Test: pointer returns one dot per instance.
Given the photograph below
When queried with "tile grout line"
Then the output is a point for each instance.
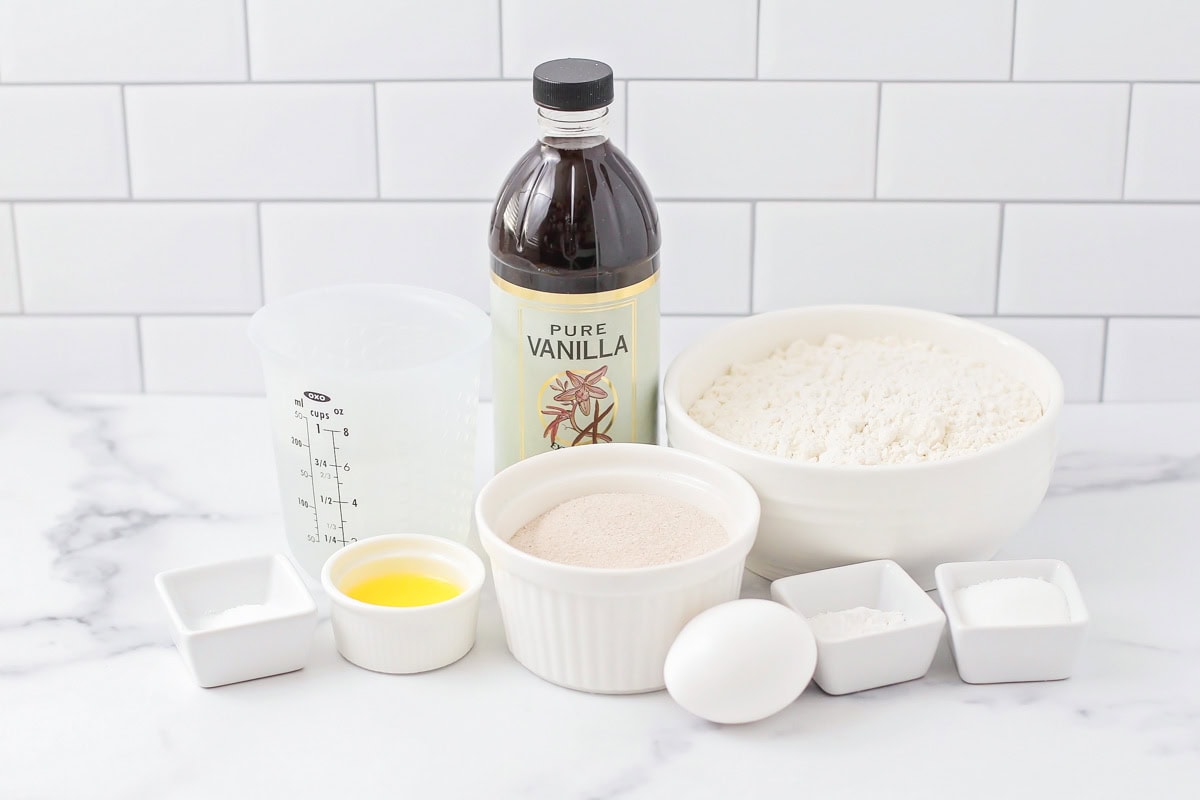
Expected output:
(999, 261)
(137, 327)
(753, 238)
(375, 134)
(878, 129)
(639, 78)
(966, 201)
(1048, 315)
(1012, 45)
(16, 248)
(1104, 358)
(1128, 127)
(150, 315)
(626, 117)
(262, 267)
(125, 136)
(500, 34)
(151, 200)
(757, 37)
(246, 36)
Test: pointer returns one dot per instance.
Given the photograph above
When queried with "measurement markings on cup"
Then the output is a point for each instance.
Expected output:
(312, 479)
(315, 464)
(331, 532)
(337, 476)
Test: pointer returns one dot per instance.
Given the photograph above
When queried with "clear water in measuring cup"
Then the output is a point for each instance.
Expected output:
(372, 393)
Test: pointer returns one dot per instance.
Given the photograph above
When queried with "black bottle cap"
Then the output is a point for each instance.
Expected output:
(573, 84)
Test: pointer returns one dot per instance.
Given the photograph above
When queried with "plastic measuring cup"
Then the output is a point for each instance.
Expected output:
(372, 391)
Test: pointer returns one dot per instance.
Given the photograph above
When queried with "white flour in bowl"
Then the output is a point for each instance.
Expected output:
(866, 402)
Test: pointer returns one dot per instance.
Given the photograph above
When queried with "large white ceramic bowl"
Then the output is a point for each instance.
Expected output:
(919, 515)
(609, 630)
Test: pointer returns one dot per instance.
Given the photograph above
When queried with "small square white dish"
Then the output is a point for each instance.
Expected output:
(1013, 653)
(239, 620)
(899, 653)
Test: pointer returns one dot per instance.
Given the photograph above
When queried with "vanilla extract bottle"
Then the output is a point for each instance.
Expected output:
(575, 313)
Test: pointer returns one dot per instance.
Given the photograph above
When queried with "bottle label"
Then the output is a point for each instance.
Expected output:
(573, 369)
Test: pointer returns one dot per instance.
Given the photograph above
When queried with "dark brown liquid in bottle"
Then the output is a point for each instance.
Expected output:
(574, 221)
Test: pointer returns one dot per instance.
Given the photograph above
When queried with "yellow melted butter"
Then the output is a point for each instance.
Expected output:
(403, 589)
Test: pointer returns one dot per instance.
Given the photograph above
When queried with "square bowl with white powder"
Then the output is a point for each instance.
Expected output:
(1013, 621)
(239, 620)
(873, 624)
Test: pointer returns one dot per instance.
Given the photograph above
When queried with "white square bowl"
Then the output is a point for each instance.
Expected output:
(275, 635)
(900, 653)
(1013, 653)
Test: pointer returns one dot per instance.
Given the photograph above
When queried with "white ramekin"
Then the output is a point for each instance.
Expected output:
(817, 516)
(409, 639)
(608, 630)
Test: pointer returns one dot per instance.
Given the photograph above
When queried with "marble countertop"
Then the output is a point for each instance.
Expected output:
(99, 494)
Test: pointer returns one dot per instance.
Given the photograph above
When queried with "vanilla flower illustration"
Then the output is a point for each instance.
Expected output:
(583, 389)
(560, 415)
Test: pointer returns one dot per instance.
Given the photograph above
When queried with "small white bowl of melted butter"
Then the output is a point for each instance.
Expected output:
(403, 603)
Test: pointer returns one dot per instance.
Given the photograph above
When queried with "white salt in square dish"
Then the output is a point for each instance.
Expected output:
(1013, 653)
(239, 620)
(899, 653)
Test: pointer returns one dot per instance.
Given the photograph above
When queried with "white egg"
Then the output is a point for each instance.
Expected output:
(741, 661)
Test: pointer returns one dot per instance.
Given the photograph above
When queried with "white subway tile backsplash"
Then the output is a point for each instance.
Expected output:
(61, 141)
(1000, 141)
(429, 148)
(138, 257)
(801, 151)
(48, 41)
(372, 39)
(439, 245)
(200, 354)
(1152, 359)
(1107, 40)
(69, 354)
(663, 39)
(279, 141)
(705, 258)
(885, 40)
(931, 255)
(1075, 346)
(677, 333)
(10, 284)
(736, 139)
(1100, 259)
(1164, 129)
